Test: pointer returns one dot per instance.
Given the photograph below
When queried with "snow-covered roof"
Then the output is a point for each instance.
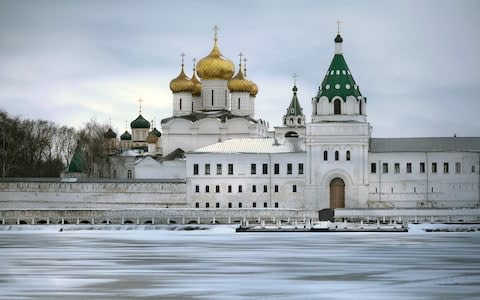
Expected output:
(253, 145)
(429, 144)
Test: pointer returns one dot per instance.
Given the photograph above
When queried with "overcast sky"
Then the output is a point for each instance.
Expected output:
(417, 62)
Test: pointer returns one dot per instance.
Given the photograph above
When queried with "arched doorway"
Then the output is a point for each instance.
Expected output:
(337, 193)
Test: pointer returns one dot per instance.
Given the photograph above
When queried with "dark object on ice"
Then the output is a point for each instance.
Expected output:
(61, 229)
(326, 215)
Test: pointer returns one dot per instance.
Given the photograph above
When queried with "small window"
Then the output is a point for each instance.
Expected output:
(445, 168)
(276, 204)
(265, 204)
(240, 205)
(217, 189)
(254, 188)
(229, 188)
(337, 107)
(294, 188)
(207, 205)
(300, 168)
(337, 155)
(197, 189)
(289, 169)
(373, 168)
(180, 103)
(207, 189)
(385, 168)
(276, 169)
(265, 189)
(265, 169)
(129, 174)
(239, 188)
(217, 205)
(212, 97)
(195, 169)
(230, 169)
(434, 167)
(219, 169)
(238, 103)
(253, 169)
(348, 155)
(409, 167)
(229, 204)
(254, 204)
(325, 155)
(397, 168)
(207, 169)
(422, 167)
(473, 169)
(276, 188)
(458, 167)
(197, 205)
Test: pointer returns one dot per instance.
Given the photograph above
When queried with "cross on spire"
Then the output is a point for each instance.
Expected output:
(240, 55)
(295, 76)
(245, 66)
(338, 26)
(215, 30)
(140, 105)
(183, 58)
(194, 63)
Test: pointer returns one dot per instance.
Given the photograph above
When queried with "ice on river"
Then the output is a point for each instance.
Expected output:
(218, 263)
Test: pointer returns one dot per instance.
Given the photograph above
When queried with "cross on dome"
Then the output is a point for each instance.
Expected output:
(215, 30)
(295, 76)
(338, 26)
(183, 58)
(140, 105)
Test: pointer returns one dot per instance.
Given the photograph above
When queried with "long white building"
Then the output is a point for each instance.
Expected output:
(228, 159)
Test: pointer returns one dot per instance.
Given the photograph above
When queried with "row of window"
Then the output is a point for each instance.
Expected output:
(408, 168)
(240, 189)
(336, 155)
(455, 187)
(253, 169)
(230, 205)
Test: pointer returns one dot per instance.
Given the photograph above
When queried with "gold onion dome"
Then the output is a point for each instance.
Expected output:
(254, 90)
(181, 83)
(197, 85)
(239, 84)
(215, 66)
(152, 138)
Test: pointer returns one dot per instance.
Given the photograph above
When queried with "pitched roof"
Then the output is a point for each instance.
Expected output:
(252, 145)
(428, 144)
(294, 109)
(78, 163)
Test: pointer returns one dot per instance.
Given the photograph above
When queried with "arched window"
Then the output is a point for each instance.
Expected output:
(299, 120)
(336, 155)
(192, 106)
(180, 103)
(212, 97)
(239, 103)
(291, 120)
(337, 107)
(325, 155)
(348, 155)
(360, 107)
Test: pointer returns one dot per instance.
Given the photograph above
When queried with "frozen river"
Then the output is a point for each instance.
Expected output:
(220, 264)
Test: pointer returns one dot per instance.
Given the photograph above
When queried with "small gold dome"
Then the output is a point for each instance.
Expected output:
(152, 138)
(197, 85)
(215, 66)
(239, 84)
(181, 83)
(254, 90)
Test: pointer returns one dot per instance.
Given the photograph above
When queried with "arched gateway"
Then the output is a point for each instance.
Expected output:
(337, 193)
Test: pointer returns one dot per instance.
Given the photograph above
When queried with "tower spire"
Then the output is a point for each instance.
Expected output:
(215, 37)
(245, 66)
(338, 39)
(140, 106)
(183, 59)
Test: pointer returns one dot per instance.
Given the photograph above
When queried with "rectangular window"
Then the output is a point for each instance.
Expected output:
(217, 205)
(397, 168)
(385, 167)
(254, 188)
(253, 169)
(276, 204)
(422, 167)
(197, 205)
(265, 189)
(265, 169)
(473, 169)
(217, 189)
(129, 174)
(229, 188)
(254, 204)
(276, 188)
(434, 167)
(373, 168)
(239, 188)
(197, 189)
(229, 204)
(458, 167)
(195, 169)
(294, 188)
(445, 168)
(409, 167)
(240, 205)
(219, 169)
(289, 169)
(207, 169)
(230, 169)
(207, 189)
(276, 169)
(300, 169)
(265, 204)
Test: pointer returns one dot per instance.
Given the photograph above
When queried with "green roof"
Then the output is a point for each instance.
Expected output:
(338, 81)
(140, 122)
(78, 162)
(110, 134)
(294, 109)
(156, 132)
(126, 136)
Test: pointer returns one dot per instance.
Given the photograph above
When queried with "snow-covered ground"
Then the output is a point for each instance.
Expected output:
(39, 262)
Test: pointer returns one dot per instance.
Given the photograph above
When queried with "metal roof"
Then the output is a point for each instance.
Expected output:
(253, 145)
(427, 144)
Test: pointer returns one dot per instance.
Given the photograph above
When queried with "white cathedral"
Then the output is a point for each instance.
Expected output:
(228, 158)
